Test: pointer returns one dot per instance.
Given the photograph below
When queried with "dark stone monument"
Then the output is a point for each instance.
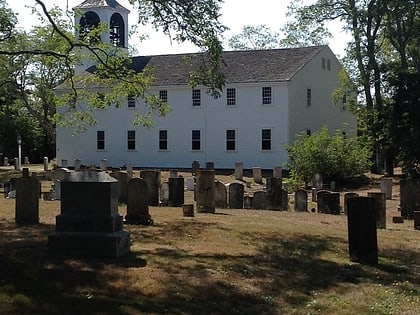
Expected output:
(164, 194)
(259, 200)
(220, 195)
(122, 178)
(257, 175)
(152, 179)
(361, 221)
(409, 197)
(380, 208)
(236, 196)
(195, 166)
(239, 171)
(188, 210)
(348, 195)
(27, 199)
(301, 200)
(176, 192)
(386, 187)
(417, 220)
(248, 203)
(137, 203)
(205, 191)
(328, 202)
(89, 223)
(274, 194)
(209, 165)
(317, 182)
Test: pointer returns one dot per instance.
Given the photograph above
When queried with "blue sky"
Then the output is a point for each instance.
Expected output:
(234, 14)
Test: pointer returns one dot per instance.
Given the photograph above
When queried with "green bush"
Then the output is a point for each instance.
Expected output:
(334, 157)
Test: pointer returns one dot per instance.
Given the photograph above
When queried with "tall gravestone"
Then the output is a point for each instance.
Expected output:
(277, 172)
(89, 223)
(45, 163)
(259, 201)
(220, 195)
(380, 208)
(152, 179)
(348, 195)
(77, 164)
(317, 182)
(137, 203)
(58, 176)
(417, 220)
(209, 165)
(257, 175)
(409, 197)
(205, 191)
(239, 171)
(301, 200)
(386, 187)
(164, 194)
(248, 202)
(176, 191)
(122, 179)
(362, 235)
(328, 202)
(27, 199)
(195, 166)
(236, 196)
(274, 194)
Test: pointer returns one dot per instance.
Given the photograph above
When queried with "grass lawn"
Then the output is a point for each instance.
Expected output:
(232, 262)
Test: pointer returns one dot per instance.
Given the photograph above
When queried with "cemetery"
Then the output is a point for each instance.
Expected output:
(124, 241)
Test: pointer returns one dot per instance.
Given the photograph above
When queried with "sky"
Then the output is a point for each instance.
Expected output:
(235, 14)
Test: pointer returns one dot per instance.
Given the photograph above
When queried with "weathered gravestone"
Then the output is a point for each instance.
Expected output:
(362, 237)
(89, 223)
(417, 220)
(58, 176)
(77, 164)
(248, 202)
(239, 171)
(380, 208)
(220, 195)
(205, 191)
(173, 173)
(27, 199)
(386, 187)
(277, 172)
(274, 195)
(409, 197)
(137, 203)
(259, 201)
(45, 162)
(317, 182)
(209, 165)
(190, 184)
(328, 202)
(152, 179)
(176, 191)
(236, 196)
(195, 166)
(122, 179)
(301, 200)
(164, 194)
(103, 165)
(257, 175)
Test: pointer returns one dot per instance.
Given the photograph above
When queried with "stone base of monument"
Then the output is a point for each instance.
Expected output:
(89, 223)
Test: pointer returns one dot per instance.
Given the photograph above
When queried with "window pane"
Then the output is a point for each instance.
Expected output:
(131, 101)
(266, 95)
(131, 139)
(163, 95)
(266, 139)
(231, 96)
(196, 145)
(196, 97)
(100, 140)
(163, 139)
(230, 140)
(308, 97)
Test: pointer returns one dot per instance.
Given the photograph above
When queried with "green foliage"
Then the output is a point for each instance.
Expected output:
(331, 156)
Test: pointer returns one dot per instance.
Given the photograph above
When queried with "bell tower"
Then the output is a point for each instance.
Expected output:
(90, 13)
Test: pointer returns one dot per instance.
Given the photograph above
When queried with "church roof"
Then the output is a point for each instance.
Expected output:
(247, 66)
(89, 4)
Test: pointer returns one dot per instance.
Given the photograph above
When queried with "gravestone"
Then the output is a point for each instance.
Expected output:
(328, 202)
(313, 194)
(220, 195)
(248, 202)
(152, 178)
(129, 171)
(173, 173)
(239, 171)
(409, 197)
(348, 195)
(27, 199)
(188, 210)
(332, 186)
(301, 200)
(236, 196)
(362, 235)
(64, 163)
(257, 175)
(176, 191)
(164, 194)
(58, 176)
(380, 208)
(122, 179)
(9, 186)
(205, 191)
(259, 200)
(274, 194)
(277, 172)
(195, 166)
(386, 187)
(137, 203)
(103, 165)
(209, 165)
(26, 160)
(89, 223)
(45, 162)
(6, 161)
(190, 183)
(77, 164)
(317, 182)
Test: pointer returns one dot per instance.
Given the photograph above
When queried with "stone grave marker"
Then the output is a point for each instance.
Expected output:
(220, 195)
(195, 166)
(317, 182)
(209, 165)
(176, 191)
(417, 220)
(152, 178)
(205, 191)
(362, 235)
(122, 179)
(274, 194)
(301, 200)
(380, 208)
(137, 203)
(348, 195)
(328, 202)
(190, 184)
(27, 199)
(248, 202)
(259, 200)
(386, 187)
(277, 172)
(173, 173)
(45, 162)
(103, 164)
(257, 175)
(236, 196)
(77, 164)
(89, 223)
(239, 171)
(164, 194)
(58, 176)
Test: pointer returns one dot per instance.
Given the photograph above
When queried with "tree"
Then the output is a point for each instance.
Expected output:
(334, 157)
(254, 38)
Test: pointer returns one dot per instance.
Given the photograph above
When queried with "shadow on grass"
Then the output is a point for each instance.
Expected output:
(280, 275)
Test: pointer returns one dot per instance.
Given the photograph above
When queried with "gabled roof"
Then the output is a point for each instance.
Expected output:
(89, 4)
(248, 66)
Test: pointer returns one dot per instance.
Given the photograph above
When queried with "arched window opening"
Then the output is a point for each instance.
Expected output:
(89, 21)
(116, 32)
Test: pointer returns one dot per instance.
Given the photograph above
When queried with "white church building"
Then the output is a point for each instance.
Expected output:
(269, 97)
